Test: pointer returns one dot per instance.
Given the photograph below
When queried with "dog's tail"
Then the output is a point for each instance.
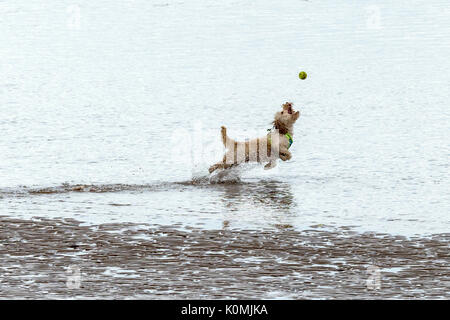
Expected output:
(226, 140)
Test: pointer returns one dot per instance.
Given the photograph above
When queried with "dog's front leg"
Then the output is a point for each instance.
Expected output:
(285, 155)
(272, 164)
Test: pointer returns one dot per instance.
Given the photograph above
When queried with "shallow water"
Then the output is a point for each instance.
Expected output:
(111, 114)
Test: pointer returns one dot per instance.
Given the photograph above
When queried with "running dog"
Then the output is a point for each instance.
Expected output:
(266, 149)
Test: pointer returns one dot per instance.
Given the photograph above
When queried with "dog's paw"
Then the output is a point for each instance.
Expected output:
(285, 156)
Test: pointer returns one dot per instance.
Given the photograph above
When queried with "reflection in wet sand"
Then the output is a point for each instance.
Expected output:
(52, 258)
(273, 194)
(270, 202)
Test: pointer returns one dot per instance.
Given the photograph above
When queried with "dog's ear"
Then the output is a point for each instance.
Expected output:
(280, 126)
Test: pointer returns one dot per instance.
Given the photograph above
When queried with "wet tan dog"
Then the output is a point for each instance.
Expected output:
(265, 149)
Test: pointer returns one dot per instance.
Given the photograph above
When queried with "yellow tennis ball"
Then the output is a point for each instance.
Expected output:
(302, 75)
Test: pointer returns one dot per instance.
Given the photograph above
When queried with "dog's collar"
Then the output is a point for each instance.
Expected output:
(287, 135)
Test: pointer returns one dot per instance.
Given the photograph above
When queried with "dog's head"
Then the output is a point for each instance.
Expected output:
(285, 118)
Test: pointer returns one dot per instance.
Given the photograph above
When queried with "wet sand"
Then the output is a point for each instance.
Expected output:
(130, 261)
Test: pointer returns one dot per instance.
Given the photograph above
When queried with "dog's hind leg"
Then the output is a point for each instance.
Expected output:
(215, 167)
(220, 165)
